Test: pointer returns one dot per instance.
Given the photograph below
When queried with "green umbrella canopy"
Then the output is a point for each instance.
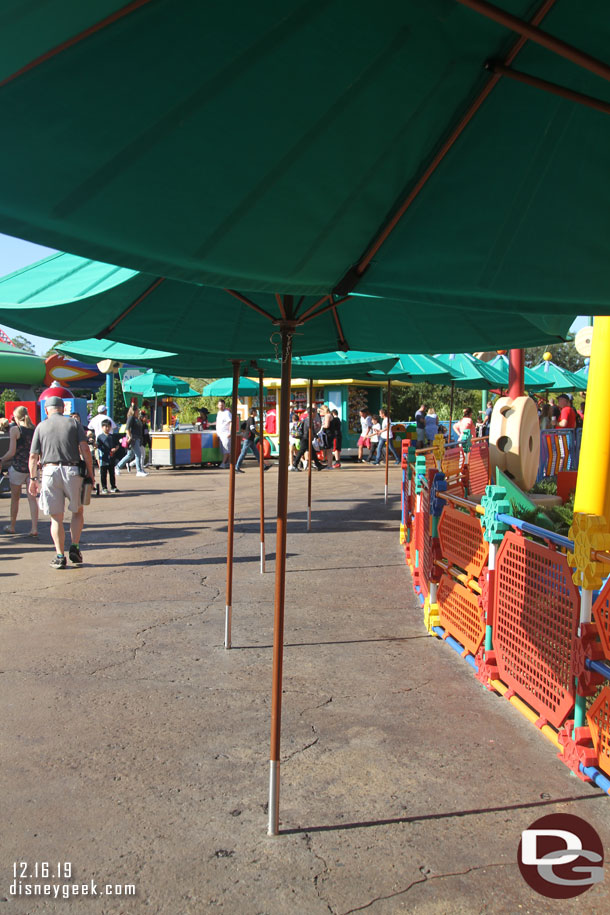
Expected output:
(155, 384)
(223, 387)
(107, 103)
(583, 377)
(205, 365)
(531, 381)
(556, 378)
(418, 367)
(333, 365)
(69, 296)
(470, 373)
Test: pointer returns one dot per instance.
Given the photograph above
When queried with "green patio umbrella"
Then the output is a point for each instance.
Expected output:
(414, 165)
(583, 377)
(190, 364)
(531, 380)
(155, 384)
(556, 378)
(443, 200)
(223, 387)
(66, 295)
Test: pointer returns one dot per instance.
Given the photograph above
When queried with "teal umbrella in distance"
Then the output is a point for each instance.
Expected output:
(556, 378)
(194, 365)
(155, 384)
(531, 381)
(223, 387)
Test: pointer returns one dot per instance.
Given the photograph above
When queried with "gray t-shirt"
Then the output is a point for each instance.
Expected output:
(56, 440)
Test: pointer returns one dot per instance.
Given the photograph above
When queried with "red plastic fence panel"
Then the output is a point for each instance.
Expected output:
(478, 468)
(462, 543)
(535, 622)
(460, 614)
(599, 722)
(451, 465)
(601, 615)
(425, 554)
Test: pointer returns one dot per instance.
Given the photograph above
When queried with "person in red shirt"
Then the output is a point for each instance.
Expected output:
(567, 414)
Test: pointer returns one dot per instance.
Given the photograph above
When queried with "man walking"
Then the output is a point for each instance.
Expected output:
(249, 429)
(223, 431)
(60, 444)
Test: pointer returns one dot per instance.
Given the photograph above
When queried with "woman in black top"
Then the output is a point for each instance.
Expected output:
(135, 431)
(18, 454)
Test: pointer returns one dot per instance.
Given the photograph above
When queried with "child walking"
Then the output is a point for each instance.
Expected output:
(107, 449)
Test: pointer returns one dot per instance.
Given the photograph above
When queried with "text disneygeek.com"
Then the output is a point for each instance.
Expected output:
(24, 871)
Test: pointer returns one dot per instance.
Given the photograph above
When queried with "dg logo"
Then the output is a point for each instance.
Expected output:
(561, 856)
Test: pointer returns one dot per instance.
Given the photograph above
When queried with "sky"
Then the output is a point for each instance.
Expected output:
(16, 253)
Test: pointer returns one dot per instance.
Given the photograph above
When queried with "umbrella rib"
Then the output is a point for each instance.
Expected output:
(280, 305)
(53, 52)
(308, 315)
(354, 273)
(554, 88)
(530, 30)
(242, 298)
(130, 308)
(312, 308)
(342, 341)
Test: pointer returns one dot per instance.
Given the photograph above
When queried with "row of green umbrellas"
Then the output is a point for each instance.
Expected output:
(462, 369)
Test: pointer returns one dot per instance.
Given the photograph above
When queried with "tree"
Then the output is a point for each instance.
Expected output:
(562, 354)
(120, 410)
(7, 394)
(24, 344)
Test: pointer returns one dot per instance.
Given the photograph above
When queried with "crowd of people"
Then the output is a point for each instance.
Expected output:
(55, 459)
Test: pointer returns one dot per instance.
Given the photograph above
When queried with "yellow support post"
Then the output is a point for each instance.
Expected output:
(593, 483)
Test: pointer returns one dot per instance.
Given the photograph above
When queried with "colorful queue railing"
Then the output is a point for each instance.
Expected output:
(508, 604)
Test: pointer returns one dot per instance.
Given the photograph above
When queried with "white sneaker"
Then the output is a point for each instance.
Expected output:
(117, 472)
(141, 473)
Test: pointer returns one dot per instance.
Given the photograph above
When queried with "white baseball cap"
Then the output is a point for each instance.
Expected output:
(101, 409)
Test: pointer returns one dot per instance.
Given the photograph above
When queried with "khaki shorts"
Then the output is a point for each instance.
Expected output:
(16, 478)
(59, 484)
(225, 443)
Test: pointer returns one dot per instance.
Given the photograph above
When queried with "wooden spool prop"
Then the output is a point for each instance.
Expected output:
(514, 440)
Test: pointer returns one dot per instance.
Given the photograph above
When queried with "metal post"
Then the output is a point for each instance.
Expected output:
(451, 412)
(580, 702)
(262, 466)
(287, 329)
(491, 565)
(110, 395)
(387, 445)
(231, 518)
(309, 460)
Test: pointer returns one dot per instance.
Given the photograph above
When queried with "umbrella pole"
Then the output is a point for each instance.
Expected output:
(261, 466)
(451, 412)
(155, 417)
(309, 460)
(231, 518)
(387, 445)
(287, 329)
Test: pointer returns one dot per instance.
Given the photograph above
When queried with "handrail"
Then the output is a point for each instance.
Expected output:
(462, 577)
(541, 532)
(463, 503)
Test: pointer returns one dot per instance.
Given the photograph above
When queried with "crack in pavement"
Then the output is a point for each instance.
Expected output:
(317, 876)
(426, 878)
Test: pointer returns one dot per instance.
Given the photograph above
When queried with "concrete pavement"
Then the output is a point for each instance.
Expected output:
(136, 748)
